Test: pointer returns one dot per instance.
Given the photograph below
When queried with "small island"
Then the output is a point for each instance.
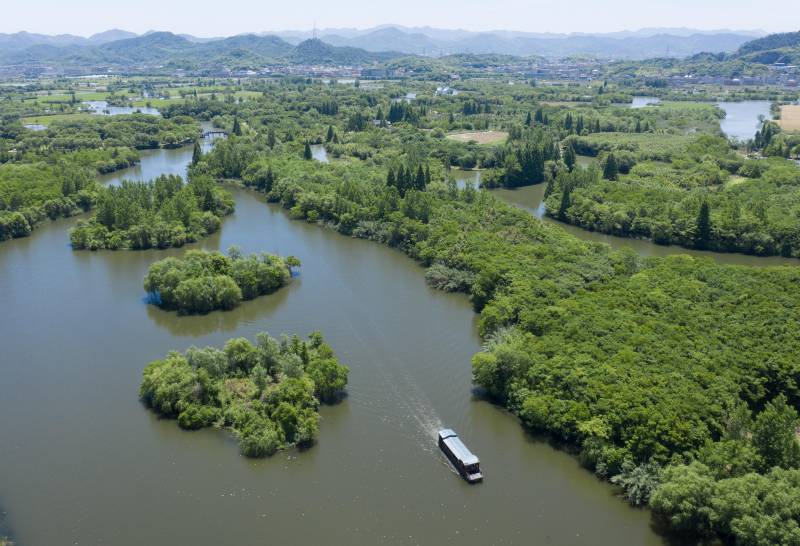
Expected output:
(267, 393)
(203, 281)
(161, 213)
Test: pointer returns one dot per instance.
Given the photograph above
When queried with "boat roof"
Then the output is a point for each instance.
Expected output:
(457, 447)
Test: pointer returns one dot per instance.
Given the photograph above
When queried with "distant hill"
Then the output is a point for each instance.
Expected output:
(774, 48)
(170, 50)
(22, 40)
(641, 44)
(772, 41)
(315, 51)
(110, 36)
(635, 44)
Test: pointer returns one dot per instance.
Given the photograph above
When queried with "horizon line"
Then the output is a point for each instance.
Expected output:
(415, 27)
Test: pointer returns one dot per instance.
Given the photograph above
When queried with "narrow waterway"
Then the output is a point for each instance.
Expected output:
(83, 462)
(531, 199)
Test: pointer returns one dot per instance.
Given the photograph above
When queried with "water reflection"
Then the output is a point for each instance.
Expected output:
(319, 153)
(247, 312)
(641, 102)
(462, 177)
(102, 108)
(743, 119)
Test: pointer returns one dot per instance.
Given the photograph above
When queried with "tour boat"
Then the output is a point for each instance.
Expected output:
(462, 458)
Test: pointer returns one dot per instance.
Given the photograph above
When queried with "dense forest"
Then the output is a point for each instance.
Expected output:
(202, 281)
(267, 394)
(161, 213)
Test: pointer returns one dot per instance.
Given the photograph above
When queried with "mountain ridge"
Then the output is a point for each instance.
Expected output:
(629, 44)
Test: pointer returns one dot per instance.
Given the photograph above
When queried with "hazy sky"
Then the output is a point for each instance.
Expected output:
(228, 17)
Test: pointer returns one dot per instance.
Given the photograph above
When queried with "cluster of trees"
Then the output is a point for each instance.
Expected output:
(405, 179)
(202, 281)
(161, 213)
(32, 192)
(744, 487)
(267, 393)
(523, 161)
(772, 142)
(472, 107)
(706, 197)
(402, 111)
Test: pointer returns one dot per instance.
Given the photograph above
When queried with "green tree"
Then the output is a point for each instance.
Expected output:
(610, 169)
(774, 435)
(329, 377)
(683, 501)
(307, 155)
(565, 204)
(197, 153)
(703, 226)
(569, 157)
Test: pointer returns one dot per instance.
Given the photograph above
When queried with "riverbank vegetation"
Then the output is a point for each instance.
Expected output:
(202, 281)
(161, 213)
(267, 394)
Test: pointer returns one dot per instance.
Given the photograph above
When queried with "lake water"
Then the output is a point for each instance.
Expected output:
(162, 161)
(641, 102)
(742, 119)
(319, 153)
(408, 97)
(101, 107)
(462, 176)
(83, 462)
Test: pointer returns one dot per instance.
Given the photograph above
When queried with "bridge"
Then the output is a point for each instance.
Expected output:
(218, 132)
